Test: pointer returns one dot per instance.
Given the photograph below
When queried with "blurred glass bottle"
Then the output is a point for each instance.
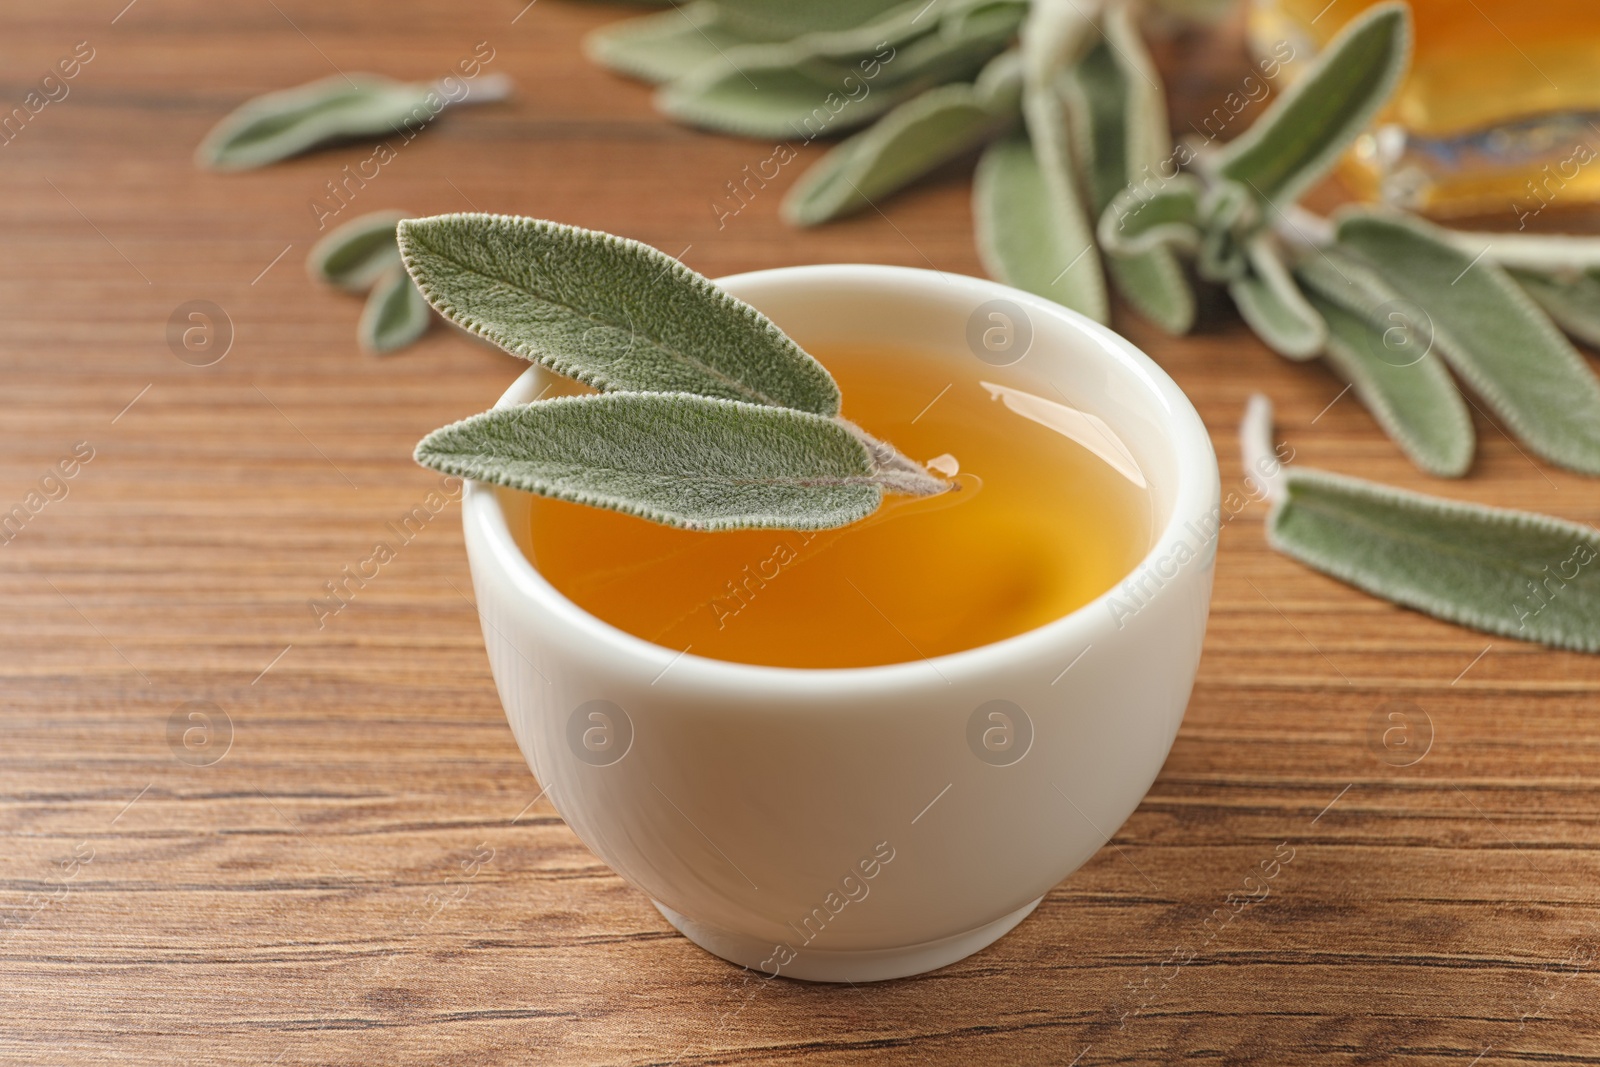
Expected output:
(1501, 107)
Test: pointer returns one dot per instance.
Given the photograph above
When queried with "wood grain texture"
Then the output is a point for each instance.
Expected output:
(369, 875)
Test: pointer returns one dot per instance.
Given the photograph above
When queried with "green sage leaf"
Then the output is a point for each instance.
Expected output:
(354, 256)
(1154, 284)
(1058, 258)
(608, 311)
(905, 144)
(1027, 236)
(1202, 11)
(765, 91)
(1272, 305)
(1126, 127)
(1570, 298)
(1139, 219)
(1511, 573)
(1229, 219)
(783, 19)
(1374, 344)
(1490, 332)
(395, 315)
(672, 458)
(285, 123)
(665, 45)
(999, 83)
(1550, 253)
(831, 83)
(1305, 131)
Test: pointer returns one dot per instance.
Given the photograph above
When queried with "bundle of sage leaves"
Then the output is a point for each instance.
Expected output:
(707, 416)
(1079, 189)
(1080, 186)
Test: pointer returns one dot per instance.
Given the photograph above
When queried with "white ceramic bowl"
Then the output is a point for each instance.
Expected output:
(869, 823)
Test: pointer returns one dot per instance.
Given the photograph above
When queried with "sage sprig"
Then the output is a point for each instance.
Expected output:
(1090, 194)
(363, 256)
(1510, 573)
(709, 417)
(286, 123)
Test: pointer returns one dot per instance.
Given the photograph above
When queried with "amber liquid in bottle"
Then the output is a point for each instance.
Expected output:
(1497, 113)
(1041, 526)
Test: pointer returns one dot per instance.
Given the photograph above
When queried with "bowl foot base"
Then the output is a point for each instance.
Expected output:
(865, 965)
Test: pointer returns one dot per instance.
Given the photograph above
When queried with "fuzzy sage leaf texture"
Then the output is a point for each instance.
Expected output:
(1380, 345)
(904, 145)
(1511, 573)
(665, 45)
(395, 315)
(1490, 332)
(1308, 128)
(673, 458)
(1571, 299)
(354, 256)
(1026, 237)
(613, 313)
(286, 123)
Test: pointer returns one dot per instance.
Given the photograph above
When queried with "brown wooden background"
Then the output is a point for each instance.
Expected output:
(367, 875)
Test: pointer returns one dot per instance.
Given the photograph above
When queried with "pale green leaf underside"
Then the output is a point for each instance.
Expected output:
(1271, 303)
(1491, 333)
(1100, 125)
(1149, 138)
(681, 460)
(1047, 111)
(1544, 252)
(614, 313)
(1509, 573)
(1125, 123)
(1387, 359)
(1418, 405)
(780, 19)
(1139, 219)
(1299, 138)
(905, 144)
(283, 124)
(665, 45)
(1572, 299)
(1027, 238)
(1154, 284)
(354, 256)
(770, 94)
(395, 314)
(820, 85)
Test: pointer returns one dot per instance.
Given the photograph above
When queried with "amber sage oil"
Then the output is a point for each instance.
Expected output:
(1051, 513)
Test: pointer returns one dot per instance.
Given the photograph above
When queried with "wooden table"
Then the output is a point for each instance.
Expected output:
(355, 866)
